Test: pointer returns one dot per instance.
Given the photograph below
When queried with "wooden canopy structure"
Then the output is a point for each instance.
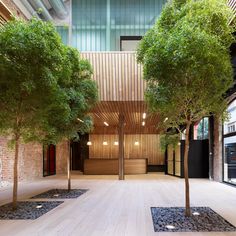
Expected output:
(121, 92)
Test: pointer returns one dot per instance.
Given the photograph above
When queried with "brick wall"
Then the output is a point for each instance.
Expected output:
(30, 161)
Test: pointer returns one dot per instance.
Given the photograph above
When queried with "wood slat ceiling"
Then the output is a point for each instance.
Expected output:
(121, 91)
(5, 13)
(133, 113)
(232, 4)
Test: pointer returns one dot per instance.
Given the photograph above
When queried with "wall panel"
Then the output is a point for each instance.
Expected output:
(118, 75)
(149, 147)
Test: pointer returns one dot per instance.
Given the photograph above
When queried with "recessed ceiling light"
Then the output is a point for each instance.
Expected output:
(143, 123)
(80, 120)
(89, 143)
(116, 143)
(105, 143)
(144, 115)
(170, 226)
(105, 123)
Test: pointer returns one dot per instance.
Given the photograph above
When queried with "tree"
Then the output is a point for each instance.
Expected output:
(82, 95)
(187, 65)
(32, 59)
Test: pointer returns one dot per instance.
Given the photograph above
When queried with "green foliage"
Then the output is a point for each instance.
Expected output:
(186, 61)
(81, 92)
(32, 63)
(44, 85)
(169, 139)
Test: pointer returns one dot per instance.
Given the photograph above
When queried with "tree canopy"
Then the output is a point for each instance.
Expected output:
(32, 67)
(32, 60)
(186, 60)
(81, 96)
(45, 87)
(187, 66)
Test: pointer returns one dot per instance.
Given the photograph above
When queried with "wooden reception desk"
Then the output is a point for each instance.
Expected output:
(110, 166)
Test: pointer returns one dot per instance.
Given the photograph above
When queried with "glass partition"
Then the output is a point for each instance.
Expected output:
(97, 25)
(64, 33)
(229, 163)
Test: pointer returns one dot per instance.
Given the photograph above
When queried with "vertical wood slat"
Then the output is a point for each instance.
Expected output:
(118, 75)
(232, 4)
(149, 147)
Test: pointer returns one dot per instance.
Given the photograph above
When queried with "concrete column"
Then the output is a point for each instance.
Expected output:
(218, 157)
(121, 147)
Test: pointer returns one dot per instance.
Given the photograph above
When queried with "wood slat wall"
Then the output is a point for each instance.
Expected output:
(118, 75)
(110, 166)
(5, 13)
(149, 147)
(232, 4)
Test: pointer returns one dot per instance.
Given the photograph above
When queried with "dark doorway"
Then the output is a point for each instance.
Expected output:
(80, 151)
(49, 160)
(76, 157)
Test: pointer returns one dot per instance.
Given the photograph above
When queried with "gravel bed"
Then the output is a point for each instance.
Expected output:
(61, 193)
(27, 210)
(202, 219)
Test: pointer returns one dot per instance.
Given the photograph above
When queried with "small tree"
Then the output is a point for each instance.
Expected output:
(31, 63)
(82, 95)
(187, 65)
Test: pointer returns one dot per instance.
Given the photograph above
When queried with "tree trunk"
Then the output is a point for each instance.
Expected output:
(15, 183)
(186, 151)
(68, 168)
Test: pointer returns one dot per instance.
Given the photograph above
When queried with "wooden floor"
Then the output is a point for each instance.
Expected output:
(117, 208)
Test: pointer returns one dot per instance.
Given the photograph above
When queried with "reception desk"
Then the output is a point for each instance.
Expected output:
(111, 166)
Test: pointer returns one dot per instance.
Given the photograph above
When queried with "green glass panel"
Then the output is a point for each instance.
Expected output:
(64, 33)
(98, 24)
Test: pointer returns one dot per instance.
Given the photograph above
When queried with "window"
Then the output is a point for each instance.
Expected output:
(201, 130)
(129, 43)
(229, 159)
(231, 127)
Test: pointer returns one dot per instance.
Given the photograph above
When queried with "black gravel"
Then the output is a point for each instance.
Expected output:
(61, 193)
(27, 210)
(207, 221)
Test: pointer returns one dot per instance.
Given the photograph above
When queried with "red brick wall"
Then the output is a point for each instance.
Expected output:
(30, 160)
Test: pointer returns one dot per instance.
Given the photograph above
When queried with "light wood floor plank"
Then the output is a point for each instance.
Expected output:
(117, 208)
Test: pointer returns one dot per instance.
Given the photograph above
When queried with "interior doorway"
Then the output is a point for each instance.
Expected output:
(80, 152)
(49, 160)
